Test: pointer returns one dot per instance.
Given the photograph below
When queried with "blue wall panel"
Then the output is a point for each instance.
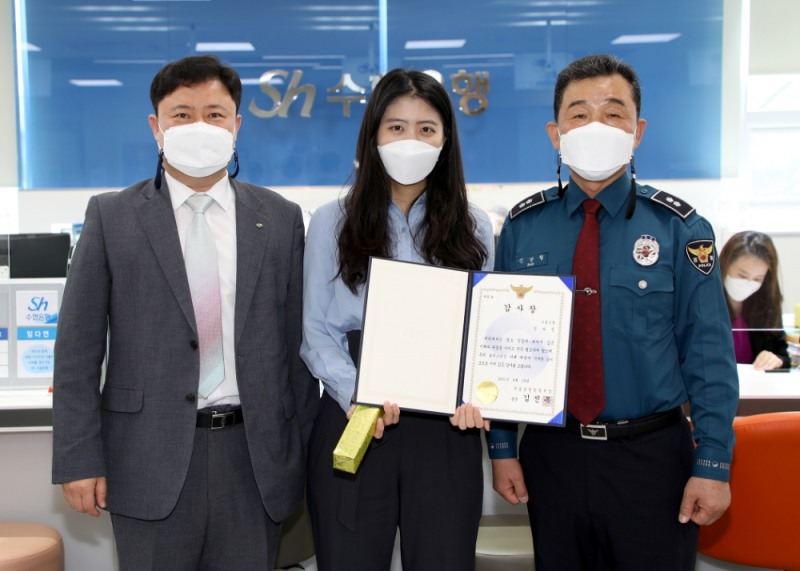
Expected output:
(99, 137)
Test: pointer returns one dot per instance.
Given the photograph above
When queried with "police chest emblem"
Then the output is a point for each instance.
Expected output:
(701, 255)
(645, 250)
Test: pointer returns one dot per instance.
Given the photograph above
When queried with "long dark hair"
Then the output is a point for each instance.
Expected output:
(447, 234)
(763, 308)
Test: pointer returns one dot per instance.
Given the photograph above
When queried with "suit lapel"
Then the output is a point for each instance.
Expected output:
(253, 223)
(158, 220)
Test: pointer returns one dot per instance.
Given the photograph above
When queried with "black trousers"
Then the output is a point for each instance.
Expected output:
(609, 505)
(424, 477)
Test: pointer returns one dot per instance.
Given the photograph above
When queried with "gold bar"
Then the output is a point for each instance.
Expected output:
(355, 438)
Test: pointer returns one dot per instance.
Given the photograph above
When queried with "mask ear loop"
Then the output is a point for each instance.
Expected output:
(235, 164)
(632, 197)
(159, 168)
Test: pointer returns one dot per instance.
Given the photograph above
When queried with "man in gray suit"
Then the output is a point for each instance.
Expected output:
(196, 442)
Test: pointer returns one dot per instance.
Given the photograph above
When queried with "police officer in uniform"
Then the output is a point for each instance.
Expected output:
(626, 489)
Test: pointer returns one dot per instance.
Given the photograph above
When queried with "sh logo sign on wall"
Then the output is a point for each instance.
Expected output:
(37, 316)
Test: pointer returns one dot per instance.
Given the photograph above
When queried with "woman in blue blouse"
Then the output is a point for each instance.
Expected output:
(423, 474)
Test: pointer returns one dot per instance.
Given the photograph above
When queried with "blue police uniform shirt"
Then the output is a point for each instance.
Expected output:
(666, 332)
(330, 309)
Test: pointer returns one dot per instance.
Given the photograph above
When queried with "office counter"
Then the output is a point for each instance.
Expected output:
(761, 391)
(26, 410)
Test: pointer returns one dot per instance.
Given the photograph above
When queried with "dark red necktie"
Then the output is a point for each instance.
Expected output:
(586, 391)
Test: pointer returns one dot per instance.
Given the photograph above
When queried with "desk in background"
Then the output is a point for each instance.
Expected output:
(761, 392)
(26, 410)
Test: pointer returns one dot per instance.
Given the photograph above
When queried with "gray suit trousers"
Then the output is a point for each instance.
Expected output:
(218, 523)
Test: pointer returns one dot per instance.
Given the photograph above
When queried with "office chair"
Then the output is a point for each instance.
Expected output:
(762, 526)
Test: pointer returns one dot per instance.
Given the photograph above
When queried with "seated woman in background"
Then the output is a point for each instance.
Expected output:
(749, 264)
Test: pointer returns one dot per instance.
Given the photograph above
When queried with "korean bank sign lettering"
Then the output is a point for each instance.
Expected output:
(471, 89)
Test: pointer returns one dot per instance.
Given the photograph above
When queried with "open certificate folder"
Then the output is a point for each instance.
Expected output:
(435, 337)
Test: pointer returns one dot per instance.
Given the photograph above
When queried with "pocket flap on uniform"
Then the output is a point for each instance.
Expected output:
(122, 400)
(642, 280)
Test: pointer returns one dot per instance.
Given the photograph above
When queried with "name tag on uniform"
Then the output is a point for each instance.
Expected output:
(532, 261)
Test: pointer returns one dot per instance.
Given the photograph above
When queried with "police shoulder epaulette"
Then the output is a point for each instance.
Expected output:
(678, 206)
(527, 203)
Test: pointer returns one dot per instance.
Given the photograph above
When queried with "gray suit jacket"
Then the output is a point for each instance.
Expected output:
(127, 293)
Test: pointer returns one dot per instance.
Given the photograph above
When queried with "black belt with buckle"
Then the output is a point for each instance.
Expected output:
(624, 428)
(219, 419)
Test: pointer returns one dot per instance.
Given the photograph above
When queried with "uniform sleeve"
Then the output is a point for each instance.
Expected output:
(324, 348)
(501, 440)
(504, 251)
(705, 348)
(79, 352)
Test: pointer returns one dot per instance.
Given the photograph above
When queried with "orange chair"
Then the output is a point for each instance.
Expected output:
(762, 526)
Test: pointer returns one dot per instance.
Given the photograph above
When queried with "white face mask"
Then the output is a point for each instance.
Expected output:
(596, 151)
(409, 161)
(198, 149)
(739, 289)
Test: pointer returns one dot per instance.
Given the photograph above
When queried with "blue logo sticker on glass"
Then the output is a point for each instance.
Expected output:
(38, 360)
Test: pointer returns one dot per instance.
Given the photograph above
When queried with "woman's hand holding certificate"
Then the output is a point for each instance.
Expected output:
(468, 416)
(390, 415)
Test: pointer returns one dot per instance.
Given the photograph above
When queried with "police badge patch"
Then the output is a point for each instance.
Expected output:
(645, 250)
(701, 255)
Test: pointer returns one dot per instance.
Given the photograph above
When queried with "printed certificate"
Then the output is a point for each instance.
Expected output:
(435, 337)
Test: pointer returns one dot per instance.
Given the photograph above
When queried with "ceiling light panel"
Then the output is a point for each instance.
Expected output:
(434, 44)
(644, 39)
(224, 47)
(96, 82)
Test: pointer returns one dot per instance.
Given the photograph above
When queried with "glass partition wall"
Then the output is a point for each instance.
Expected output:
(84, 71)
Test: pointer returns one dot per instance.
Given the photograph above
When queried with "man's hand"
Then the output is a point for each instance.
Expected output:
(704, 501)
(508, 481)
(85, 496)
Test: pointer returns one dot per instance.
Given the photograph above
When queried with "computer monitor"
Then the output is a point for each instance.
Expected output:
(35, 255)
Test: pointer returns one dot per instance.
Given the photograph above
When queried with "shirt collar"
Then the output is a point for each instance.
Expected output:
(420, 202)
(614, 197)
(179, 192)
